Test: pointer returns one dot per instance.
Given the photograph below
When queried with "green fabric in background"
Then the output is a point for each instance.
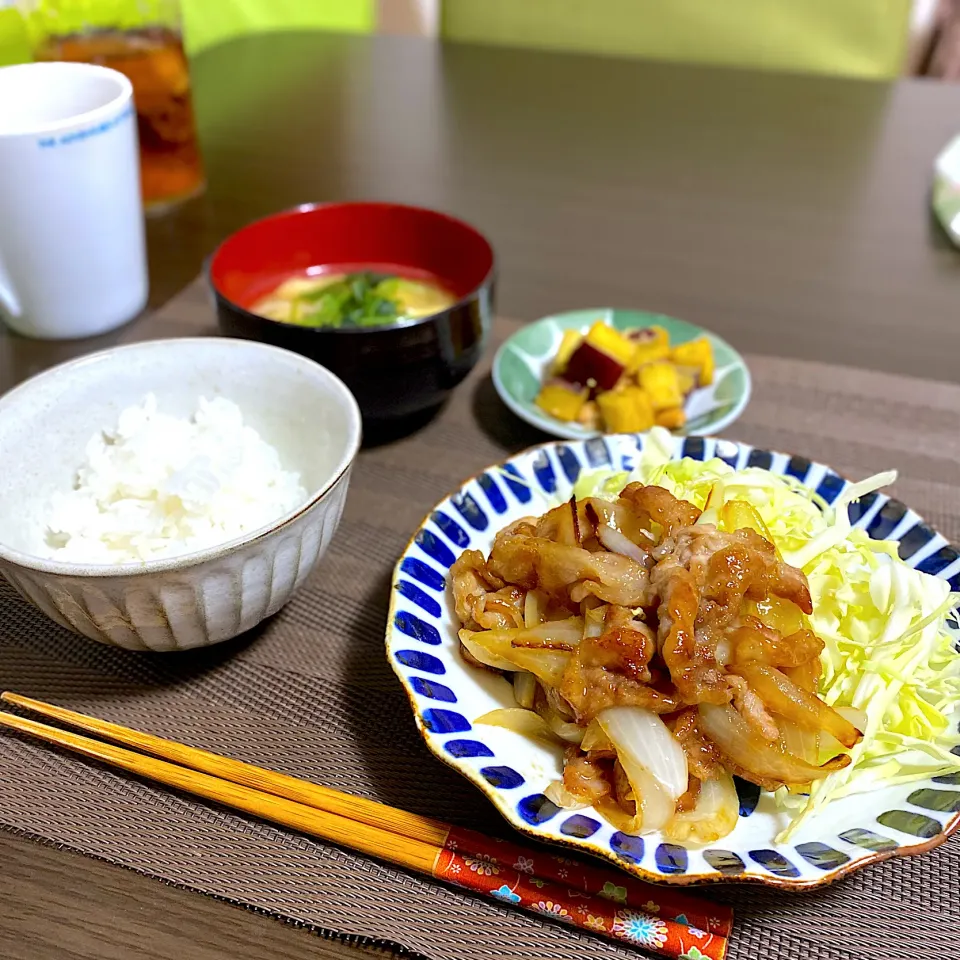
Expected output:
(206, 22)
(865, 38)
(14, 47)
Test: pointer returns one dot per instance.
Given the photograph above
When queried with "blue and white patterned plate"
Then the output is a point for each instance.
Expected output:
(447, 694)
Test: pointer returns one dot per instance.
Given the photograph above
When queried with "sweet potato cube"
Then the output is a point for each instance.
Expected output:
(570, 341)
(696, 353)
(611, 342)
(688, 378)
(662, 384)
(590, 416)
(649, 345)
(626, 411)
(673, 418)
(563, 401)
(592, 367)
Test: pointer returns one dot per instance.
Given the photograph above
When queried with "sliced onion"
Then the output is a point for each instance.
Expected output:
(742, 515)
(806, 709)
(714, 816)
(616, 542)
(567, 631)
(601, 511)
(805, 744)
(557, 793)
(529, 641)
(484, 656)
(525, 722)
(652, 759)
(830, 745)
(594, 738)
(807, 675)
(532, 609)
(854, 715)
(802, 743)
(732, 734)
(714, 498)
(593, 621)
(545, 664)
(524, 688)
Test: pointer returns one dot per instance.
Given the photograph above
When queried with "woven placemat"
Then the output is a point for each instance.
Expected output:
(310, 693)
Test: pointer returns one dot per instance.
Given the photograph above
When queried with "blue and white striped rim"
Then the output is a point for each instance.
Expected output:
(446, 694)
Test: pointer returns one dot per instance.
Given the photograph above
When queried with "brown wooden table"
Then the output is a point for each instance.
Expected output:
(788, 213)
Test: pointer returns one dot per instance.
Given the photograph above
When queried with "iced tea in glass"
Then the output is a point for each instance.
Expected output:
(141, 39)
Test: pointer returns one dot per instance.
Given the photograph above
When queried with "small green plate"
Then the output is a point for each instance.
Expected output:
(522, 361)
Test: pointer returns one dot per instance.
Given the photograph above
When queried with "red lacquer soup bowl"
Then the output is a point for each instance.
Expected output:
(396, 370)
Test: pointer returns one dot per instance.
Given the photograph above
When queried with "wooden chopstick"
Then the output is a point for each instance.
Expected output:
(246, 774)
(365, 825)
(373, 841)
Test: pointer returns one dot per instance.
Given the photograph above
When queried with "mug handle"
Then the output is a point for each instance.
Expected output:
(8, 300)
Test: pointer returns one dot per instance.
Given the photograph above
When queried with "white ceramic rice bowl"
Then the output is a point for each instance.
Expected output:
(200, 598)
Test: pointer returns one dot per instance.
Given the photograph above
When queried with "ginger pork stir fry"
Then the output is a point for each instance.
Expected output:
(665, 655)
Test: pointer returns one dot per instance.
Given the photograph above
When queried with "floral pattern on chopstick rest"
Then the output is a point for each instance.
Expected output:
(603, 913)
(579, 876)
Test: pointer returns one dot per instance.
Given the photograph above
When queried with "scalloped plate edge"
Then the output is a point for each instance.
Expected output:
(506, 808)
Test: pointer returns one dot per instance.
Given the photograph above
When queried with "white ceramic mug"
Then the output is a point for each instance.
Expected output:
(72, 250)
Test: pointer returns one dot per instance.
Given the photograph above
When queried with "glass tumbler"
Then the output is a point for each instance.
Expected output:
(143, 40)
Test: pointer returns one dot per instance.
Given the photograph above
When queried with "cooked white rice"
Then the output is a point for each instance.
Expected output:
(158, 486)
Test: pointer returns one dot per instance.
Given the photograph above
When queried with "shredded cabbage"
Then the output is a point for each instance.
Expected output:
(888, 650)
(794, 514)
